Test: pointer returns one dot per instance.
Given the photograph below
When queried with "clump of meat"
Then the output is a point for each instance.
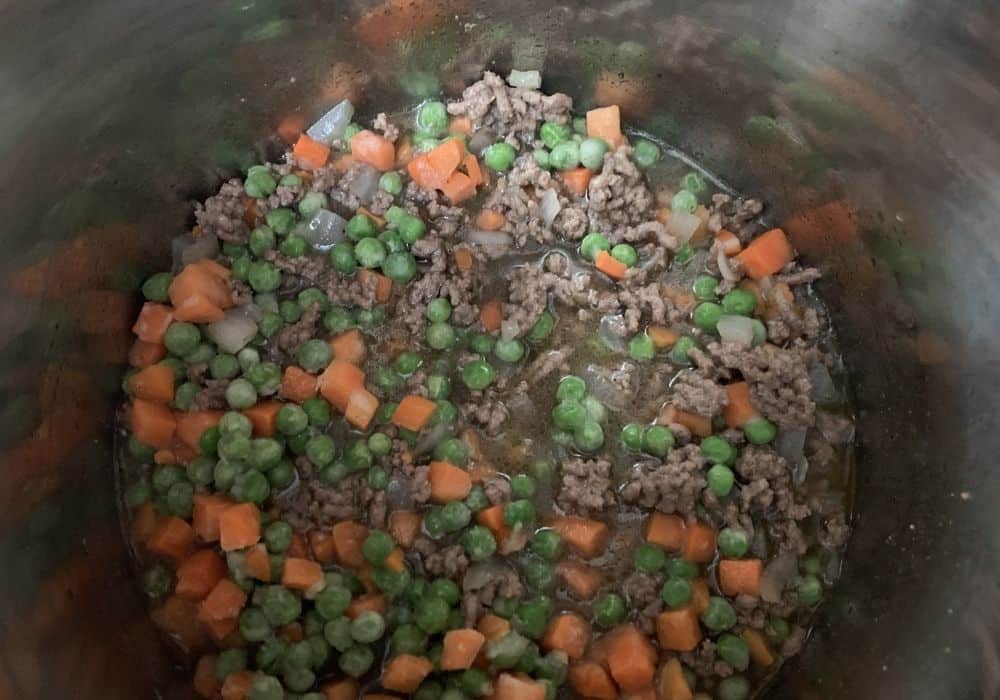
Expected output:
(586, 487)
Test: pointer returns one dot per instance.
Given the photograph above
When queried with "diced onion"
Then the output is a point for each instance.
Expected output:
(232, 332)
(481, 139)
(777, 575)
(531, 79)
(332, 125)
(324, 229)
(682, 225)
(790, 444)
(489, 238)
(823, 388)
(549, 207)
(612, 331)
(735, 329)
(365, 183)
(187, 249)
(724, 268)
(481, 575)
(508, 329)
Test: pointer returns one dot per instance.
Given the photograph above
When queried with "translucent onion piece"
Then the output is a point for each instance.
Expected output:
(525, 79)
(365, 183)
(332, 125)
(724, 268)
(549, 207)
(233, 331)
(736, 329)
(683, 226)
(186, 249)
(489, 238)
(324, 230)
(777, 575)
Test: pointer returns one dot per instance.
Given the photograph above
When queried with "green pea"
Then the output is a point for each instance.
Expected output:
(649, 558)
(181, 338)
(391, 182)
(280, 220)
(478, 375)
(505, 607)
(569, 415)
(370, 252)
(321, 450)
(482, 343)
(265, 378)
(565, 155)
(678, 567)
(432, 117)
(592, 244)
(380, 444)
(438, 386)
(229, 662)
(657, 440)
(431, 615)
(719, 616)
(477, 500)
(156, 287)
(338, 319)
(499, 157)
(270, 652)
(278, 536)
(438, 310)
(358, 457)
(270, 324)
(265, 687)
(519, 513)
(139, 450)
(776, 630)
(553, 134)
(532, 617)
(317, 411)
(759, 431)
(223, 366)
(522, 486)
(733, 688)
(676, 592)
(440, 336)
(411, 228)
(625, 254)
(314, 355)
(509, 350)
(291, 419)
(474, 682)
(311, 203)
(367, 627)
(251, 487)
(262, 239)
(455, 516)
(609, 610)
(399, 267)
(138, 492)
(294, 246)
(645, 153)
(684, 202)
(592, 152)
(641, 347)
(589, 437)
(264, 277)
(240, 394)
(184, 395)
(721, 480)
(541, 328)
(342, 258)
(694, 182)
(260, 184)
(409, 639)
(810, 591)
(541, 157)
(704, 288)
(631, 436)
(679, 353)
(179, 499)
(356, 661)
(254, 625)
(332, 602)
(739, 301)
(571, 388)
(717, 450)
(733, 543)
(479, 543)
(706, 316)
(445, 414)
(166, 476)
(547, 544)
(539, 574)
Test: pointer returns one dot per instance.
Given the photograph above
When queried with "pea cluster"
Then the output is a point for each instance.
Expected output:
(578, 416)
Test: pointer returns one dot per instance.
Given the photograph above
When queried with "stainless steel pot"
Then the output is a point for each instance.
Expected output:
(871, 128)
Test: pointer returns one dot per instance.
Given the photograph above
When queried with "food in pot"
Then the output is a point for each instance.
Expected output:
(490, 398)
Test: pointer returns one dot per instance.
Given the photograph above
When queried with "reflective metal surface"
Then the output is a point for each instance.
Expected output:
(870, 127)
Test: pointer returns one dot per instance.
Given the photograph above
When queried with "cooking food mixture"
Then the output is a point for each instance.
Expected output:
(486, 399)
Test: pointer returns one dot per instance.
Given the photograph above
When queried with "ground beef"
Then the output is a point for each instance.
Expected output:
(517, 112)
(497, 490)
(834, 531)
(618, 196)
(642, 594)
(586, 487)
(704, 663)
(306, 328)
(571, 223)
(516, 197)
(242, 294)
(212, 397)
(647, 300)
(308, 269)
(503, 583)
(487, 410)
(769, 495)
(421, 486)
(693, 391)
(734, 215)
(545, 364)
(438, 280)
(222, 215)
(446, 562)
(671, 487)
(315, 504)
(351, 291)
(196, 372)
(794, 274)
(385, 127)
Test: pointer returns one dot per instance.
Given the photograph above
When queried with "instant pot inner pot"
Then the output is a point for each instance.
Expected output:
(868, 129)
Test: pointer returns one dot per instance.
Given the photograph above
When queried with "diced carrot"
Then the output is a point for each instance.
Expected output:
(395, 561)
(490, 220)
(460, 125)
(577, 180)
(404, 526)
(367, 602)
(349, 346)
(223, 631)
(492, 626)
(291, 127)
(647, 693)
(338, 381)
(463, 259)
(251, 212)
(404, 151)
(143, 354)
(154, 383)
(172, 537)
(153, 322)
(667, 531)
(344, 689)
(613, 268)
(198, 289)
(205, 516)
(298, 547)
(191, 425)
(224, 602)
(383, 285)
(374, 149)
(728, 242)
(581, 578)
(153, 423)
(422, 172)
(264, 417)
(301, 574)
(491, 314)
(492, 519)
(587, 537)
(178, 617)
(606, 123)
(219, 270)
(672, 685)
(198, 309)
(237, 685)
(698, 425)
(258, 563)
(700, 595)
(413, 412)
(298, 385)
(144, 522)
(199, 573)
(631, 659)
(760, 652)
(164, 457)
(205, 682)
(404, 673)
(767, 254)
(461, 647)
(699, 543)
(310, 154)
(473, 170)
(448, 482)
(361, 408)
(738, 409)
(678, 630)
(322, 546)
(348, 536)
(740, 576)
(342, 163)
(239, 526)
(520, 687)
(445, 158)
(458, 188)
(567, 632)
(590, 680)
